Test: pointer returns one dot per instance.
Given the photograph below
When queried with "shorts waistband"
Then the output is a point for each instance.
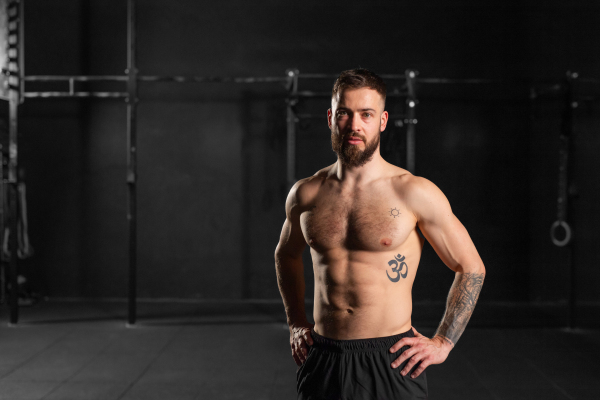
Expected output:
(357, 345)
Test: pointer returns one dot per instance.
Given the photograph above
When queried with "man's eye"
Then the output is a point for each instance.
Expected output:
(341, 113)
(367, 114)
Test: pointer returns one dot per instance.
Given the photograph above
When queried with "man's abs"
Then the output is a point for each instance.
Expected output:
(363, 294)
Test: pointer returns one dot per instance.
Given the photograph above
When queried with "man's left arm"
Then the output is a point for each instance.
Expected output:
(452, 243)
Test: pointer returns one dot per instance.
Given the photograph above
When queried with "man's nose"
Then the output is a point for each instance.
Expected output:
(355, 123)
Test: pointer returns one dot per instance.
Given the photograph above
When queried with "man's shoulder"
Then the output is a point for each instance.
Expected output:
(420, 194)
(410, 184)
(305, 190)
(404, 181)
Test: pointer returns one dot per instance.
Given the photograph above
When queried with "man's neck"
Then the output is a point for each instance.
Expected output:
(359, 175)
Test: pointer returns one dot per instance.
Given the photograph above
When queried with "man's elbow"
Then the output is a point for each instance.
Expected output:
(281, 253)
(475, 268)
(470, 268)
(277, 252)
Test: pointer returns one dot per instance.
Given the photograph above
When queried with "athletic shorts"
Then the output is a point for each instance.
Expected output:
(356, 370)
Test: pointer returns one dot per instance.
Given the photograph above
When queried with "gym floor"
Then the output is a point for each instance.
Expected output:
(234, 350)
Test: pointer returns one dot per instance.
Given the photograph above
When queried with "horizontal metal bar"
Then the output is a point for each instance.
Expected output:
(156, 78)
(469, 81)
(267, 79)
(335, 76)
(78, 78)
(318, 76)
(393, 76)
(75, 94)
(212, 79)
(308, 93)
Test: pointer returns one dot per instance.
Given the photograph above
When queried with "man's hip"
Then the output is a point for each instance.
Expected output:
(356, 369)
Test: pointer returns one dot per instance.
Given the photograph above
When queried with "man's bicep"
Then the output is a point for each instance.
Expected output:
(291, 241)
(442, 229)
(452, 243)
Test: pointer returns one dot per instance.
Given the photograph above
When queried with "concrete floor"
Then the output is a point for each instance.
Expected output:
(79, 351)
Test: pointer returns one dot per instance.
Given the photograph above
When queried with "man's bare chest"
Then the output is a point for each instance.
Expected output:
(368, 222)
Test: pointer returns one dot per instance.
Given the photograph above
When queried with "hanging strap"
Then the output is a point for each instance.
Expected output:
(563, 183)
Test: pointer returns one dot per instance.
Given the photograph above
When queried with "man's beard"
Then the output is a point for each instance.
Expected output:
(350, 155)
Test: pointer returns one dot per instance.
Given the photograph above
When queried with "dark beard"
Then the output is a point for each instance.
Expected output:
(351, 155)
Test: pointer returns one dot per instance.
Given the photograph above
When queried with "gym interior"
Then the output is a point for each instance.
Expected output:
(148, 148)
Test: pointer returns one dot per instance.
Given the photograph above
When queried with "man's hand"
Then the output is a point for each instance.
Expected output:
(299, 341)
(427, 351)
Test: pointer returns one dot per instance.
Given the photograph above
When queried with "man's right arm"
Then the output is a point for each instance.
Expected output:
(290, 276)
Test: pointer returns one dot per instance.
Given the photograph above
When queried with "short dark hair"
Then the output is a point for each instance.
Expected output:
(357, 79)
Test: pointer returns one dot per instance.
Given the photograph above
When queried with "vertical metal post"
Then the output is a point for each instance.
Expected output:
(12, 203)
(21, 50)
(2, 228)
(131, 159)
(566, 140)
(14, 87)
(292, 100)
(411, 104)
(566, 133)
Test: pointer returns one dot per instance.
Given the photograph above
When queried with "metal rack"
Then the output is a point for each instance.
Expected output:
(17, 94)
(12, 89)
(567, 91)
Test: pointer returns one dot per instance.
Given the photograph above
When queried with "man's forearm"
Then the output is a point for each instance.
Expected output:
(290, 279)
(460, 305)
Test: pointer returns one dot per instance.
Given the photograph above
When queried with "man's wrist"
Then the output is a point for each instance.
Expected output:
(446, 343)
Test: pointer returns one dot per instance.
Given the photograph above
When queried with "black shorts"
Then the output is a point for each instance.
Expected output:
(356, 370)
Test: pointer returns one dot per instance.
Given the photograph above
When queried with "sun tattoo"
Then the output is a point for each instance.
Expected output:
(394, 213)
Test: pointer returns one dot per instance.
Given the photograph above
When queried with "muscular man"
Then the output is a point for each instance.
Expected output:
(360, 216)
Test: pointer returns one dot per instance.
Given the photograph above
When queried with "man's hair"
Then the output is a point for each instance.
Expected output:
(357, 79)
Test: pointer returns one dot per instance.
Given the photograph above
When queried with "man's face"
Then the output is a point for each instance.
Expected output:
(356, 120)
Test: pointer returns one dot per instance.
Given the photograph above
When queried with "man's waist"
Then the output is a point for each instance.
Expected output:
(361, 325)
(361, 344)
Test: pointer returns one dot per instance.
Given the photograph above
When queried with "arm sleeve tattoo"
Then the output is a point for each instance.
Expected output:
(460, 305)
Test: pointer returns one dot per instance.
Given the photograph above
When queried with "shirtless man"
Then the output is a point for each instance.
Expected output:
(360, 216)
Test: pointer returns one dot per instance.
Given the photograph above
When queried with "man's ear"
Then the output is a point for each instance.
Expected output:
(384, 121)
(329, 113)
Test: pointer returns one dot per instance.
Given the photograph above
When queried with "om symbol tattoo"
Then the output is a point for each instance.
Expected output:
(399, 267)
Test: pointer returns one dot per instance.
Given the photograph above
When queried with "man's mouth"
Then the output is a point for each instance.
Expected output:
(353, 140)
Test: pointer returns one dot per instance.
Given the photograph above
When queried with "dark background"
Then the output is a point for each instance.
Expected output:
(211, 157)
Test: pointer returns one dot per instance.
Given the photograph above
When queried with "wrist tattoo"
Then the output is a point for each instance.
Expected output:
(460, 305)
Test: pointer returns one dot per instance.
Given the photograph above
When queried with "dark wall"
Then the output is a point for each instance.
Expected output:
(561, 39)
(212, 156)
(51, 155)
